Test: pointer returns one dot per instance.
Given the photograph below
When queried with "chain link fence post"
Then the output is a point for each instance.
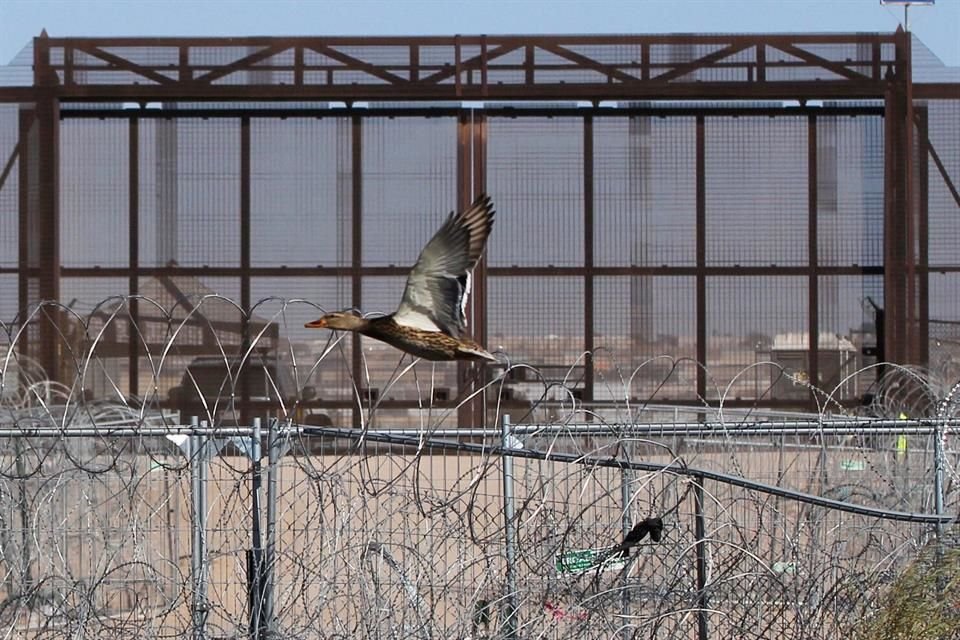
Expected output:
(509, 626)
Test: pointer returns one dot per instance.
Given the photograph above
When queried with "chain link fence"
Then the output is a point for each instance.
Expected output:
(124, 517)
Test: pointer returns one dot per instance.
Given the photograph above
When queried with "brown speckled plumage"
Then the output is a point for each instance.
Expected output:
(430, 321)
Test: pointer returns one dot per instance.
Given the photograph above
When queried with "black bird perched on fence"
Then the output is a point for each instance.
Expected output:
(651, 526)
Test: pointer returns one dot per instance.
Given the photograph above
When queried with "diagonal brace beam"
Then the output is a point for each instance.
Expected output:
(471, 63)
(8, 167)
(589, 63)
(356, 63)
(688, 67)
(943, 172)
(241, 63)
(820, 61)
(122, 63)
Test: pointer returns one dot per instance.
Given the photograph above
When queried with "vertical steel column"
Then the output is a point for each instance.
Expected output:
(900, 291)
(133, 239)
(700, 533)
(891, 230)
(813, 278)
(25, 260)
(478, 299)
(509, 631)
(356, 253)
(588, 229)
(244, 266)
(910, 205)
(701, 233)
(923, 235)
(465, 194)
(47, 214)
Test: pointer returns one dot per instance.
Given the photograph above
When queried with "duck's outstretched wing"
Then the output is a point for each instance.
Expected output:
(435, 297)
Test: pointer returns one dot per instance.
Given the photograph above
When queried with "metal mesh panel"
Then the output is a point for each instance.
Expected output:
(850, 190)
(753, 319)
(9, 297)
(756, 190)
(644, 327)
(190, 192)
(300, 192)
(409, 185)
(844, 309)
(945, 325)
(84, 295)
(87, 329)
(9, 185)
(645, 192)
(944, 210)
(847, 326)
(536, 320)
(94, 212)
(535, 168)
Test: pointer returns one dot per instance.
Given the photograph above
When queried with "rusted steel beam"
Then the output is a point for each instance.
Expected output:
(813, 280)
(589, 63)
(952, 188)
(655, 89)
(8, 165)
(519, 271)
(44, 226)
(298, 66)
(428, 111)
(241, 64)
(588, 261)
(356, 245)
(356, 64)
(681, 70)
(536, 40)
(923, 235)
(701, 256)
(133, 256)
(910, 211)
(819, 61)
(466, 412)
(118, 63)
(18, 94)
(26, 119)
(936, 91)
(480, 280)
(244, 223)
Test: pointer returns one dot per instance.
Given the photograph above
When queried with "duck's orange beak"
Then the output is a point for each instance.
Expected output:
(320, 323)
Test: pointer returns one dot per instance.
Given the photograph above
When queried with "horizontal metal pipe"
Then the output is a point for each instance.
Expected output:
(674, 468)
(493, 109)
(765, 428)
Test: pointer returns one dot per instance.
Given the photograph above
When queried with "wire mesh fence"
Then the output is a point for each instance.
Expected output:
(120, 517)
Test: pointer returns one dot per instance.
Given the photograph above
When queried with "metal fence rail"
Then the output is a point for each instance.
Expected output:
(328, 532)
(121, 515)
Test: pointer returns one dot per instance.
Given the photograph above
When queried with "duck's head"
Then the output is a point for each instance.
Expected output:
(339, 320)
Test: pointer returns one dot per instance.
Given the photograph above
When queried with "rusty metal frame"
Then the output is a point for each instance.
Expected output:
(465, 67)
(315, 71)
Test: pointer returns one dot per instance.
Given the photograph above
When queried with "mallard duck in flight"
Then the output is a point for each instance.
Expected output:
(430, 321)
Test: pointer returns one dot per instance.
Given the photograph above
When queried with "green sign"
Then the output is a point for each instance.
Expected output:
(853, 465)
(580, 560)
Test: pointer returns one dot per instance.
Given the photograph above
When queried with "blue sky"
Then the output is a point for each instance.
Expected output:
(20, 20)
